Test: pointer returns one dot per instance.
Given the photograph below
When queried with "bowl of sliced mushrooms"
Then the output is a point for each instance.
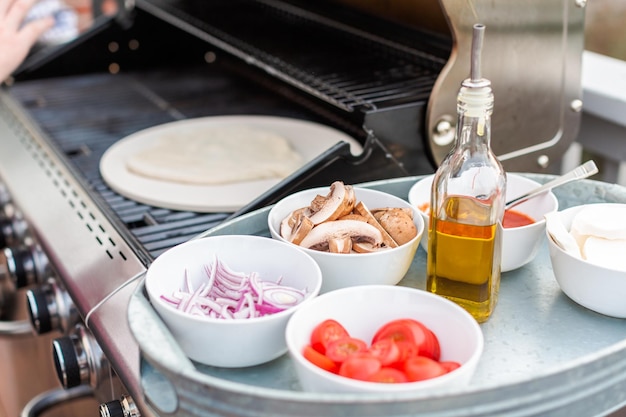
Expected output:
(358, 236)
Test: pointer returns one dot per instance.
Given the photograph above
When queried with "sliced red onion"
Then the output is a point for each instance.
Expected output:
(228, 294)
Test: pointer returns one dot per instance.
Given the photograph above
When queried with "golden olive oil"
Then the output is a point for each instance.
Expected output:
(467, 203)
(464, 259)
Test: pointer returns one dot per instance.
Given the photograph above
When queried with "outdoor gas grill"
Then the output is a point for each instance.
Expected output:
(79, 248)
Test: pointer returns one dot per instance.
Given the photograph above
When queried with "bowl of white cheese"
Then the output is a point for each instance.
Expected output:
(587, 246)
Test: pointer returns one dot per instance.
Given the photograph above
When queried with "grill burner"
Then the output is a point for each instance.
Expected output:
(65, 112)
(84, 115)
(180, 59)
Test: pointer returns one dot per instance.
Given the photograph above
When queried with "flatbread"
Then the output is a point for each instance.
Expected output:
(219, 155)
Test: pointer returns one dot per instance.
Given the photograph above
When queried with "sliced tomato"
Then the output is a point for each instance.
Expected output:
(435, 348)
(361, 366)
(339, 350)
(386, 350)
(419, 368)
(319, 359)
(450, 366)
(406, 350)
(389, 376)
(326, 332)
(412, 331)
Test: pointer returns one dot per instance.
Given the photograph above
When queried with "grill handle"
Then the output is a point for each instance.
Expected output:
(339, 151)
(53, 398)
(15, 328)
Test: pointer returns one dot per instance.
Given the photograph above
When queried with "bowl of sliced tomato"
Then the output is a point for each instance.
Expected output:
(380, 338)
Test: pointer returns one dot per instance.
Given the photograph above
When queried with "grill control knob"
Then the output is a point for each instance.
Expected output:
(78, 359)
(26, 265)
(5, 196)
(124, 407)
(13, 230)
(20, 267)
(51, 308)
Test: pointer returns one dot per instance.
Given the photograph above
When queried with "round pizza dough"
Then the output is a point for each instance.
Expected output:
(219, 155)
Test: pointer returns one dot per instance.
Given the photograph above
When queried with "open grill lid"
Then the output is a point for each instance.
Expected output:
(371, 74)
(348, 66)
(360, 77)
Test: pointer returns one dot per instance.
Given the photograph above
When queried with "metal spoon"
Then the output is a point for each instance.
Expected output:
(583, 171)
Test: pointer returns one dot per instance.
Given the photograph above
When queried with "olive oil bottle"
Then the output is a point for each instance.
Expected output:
(467, 203)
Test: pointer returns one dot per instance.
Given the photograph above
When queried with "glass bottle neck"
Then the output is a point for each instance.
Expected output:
(474, 107)
(474, 131)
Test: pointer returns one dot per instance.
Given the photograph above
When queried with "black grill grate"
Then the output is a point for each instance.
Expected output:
(84, 115)
(346, 71)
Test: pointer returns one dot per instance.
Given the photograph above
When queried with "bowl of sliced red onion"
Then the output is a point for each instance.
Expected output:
(221, 295)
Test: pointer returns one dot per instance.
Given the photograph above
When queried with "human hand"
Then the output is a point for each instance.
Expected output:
(17, 38)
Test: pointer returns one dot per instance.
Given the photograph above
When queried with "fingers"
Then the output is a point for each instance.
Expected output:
(16, 12)
(34, 29)
(22, 43)
(5, 5)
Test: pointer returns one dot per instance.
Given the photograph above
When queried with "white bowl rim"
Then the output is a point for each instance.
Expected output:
(311, 294)
(577, 208)
(390, 388)
(536, 222)
(344, 255)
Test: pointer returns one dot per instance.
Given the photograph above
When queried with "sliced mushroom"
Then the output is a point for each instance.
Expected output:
(362, 209)
(353, 216)
(339, 201)
(357, 231)
(340, 245)
(350, 200)
(378, 211)
(365, 247)
(288, 223)
(296, 226)
(398, 222)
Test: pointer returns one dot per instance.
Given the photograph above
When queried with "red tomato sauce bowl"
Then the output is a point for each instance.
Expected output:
(521, 243)
(363, 311)
(514, 218)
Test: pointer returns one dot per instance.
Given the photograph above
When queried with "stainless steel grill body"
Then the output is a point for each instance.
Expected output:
(532, 54)
(180, 59)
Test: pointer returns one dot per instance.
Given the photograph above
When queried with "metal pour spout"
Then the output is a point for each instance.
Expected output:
(477, 47)
(475, 96)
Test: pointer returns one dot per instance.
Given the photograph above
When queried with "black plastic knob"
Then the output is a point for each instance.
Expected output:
(18, 258)
(66, 362)
(6, 232)
(38, 309)
(112, 409)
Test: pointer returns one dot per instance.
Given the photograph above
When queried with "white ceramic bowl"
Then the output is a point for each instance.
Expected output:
(344, 270)
(364, 309)
(519, 244)
(593, 286)
(239, 342)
